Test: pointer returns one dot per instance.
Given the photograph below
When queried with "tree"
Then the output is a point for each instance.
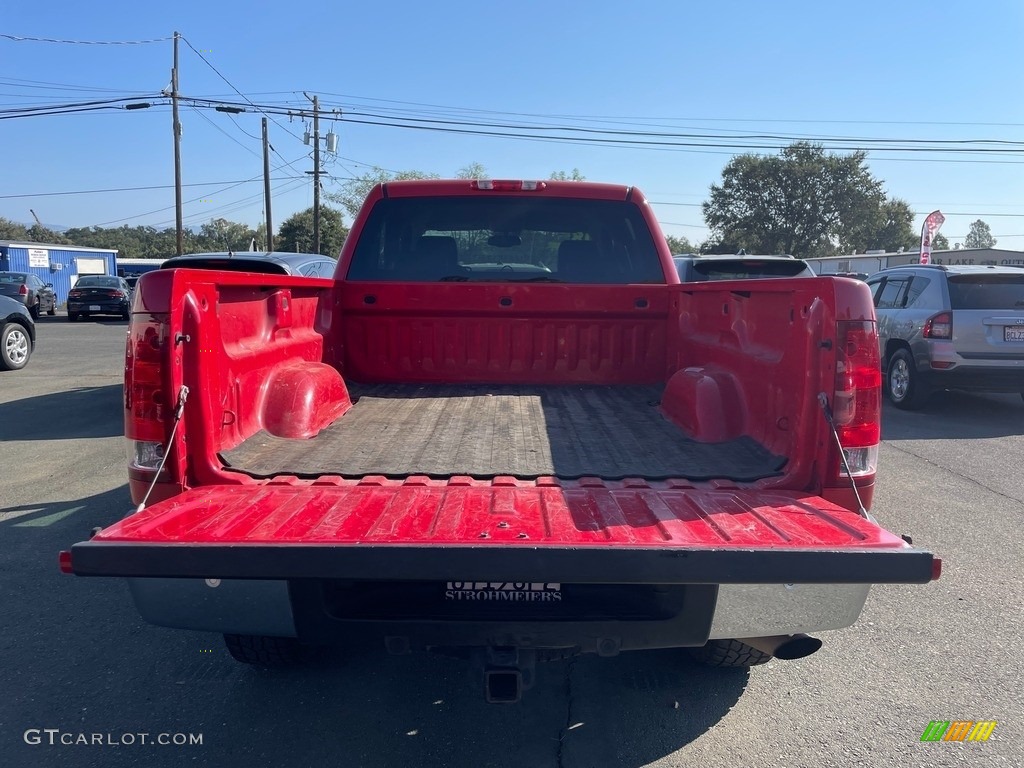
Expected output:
(803, 201)
(12, 230)
(980, 236)
(680, 245)
(887, 228)
(224, 235)
(573, 175)
(472, 171)
(37, 233)
(940, 243)
(354, 191)
(296, 233)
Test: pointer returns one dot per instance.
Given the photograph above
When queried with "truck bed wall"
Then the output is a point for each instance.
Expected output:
(273, 353)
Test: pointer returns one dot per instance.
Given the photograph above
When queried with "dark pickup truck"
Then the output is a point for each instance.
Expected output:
(505, 429)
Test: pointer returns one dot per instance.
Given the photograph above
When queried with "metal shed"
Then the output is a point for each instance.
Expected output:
(60, 265)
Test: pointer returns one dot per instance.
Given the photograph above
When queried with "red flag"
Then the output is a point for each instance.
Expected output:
(929, 230)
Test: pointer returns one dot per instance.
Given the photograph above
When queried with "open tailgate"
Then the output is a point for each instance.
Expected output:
(586, 531)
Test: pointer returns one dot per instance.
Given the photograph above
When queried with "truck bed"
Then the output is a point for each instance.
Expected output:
(398, 430)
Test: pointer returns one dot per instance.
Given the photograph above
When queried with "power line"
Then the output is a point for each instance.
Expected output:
(129, 189)
(172, 207)
(250, 150)
(73, 104)
(613, 118)
(18, 39)
(45, 85)
(232, 86)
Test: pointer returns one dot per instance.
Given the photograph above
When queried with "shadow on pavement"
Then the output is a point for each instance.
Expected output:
(85, 412)
(60, 516)
(89, 664)
(955, 416)
(369, 708)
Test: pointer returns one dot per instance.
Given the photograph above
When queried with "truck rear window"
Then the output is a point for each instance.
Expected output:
(996, 291)
(506, 239)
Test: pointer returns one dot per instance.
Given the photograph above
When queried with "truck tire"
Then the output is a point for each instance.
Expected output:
(729, 653)
(263, 651)
(903, 385)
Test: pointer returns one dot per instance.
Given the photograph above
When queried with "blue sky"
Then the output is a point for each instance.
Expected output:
(884, 70)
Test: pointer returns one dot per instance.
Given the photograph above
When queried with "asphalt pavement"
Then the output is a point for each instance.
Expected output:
(77, 662)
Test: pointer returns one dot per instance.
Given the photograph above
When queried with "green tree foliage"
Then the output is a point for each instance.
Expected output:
(940, 243)
(224, 235)
(680, 245)
(12, 230)
(573, 175)
(980, 236)
(296, 233)
(803, 201)
(472, 171)
(37, 233)
(889, 227)
(354, 191)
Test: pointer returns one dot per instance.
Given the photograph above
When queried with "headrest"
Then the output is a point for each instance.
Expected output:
(576, 258)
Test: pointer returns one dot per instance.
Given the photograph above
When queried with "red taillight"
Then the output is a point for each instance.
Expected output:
(858, 403)
(144, 398)
(74, 293)
(114, 294)
(64, 561)
(508, 185)
(23, 290)
(939, 327)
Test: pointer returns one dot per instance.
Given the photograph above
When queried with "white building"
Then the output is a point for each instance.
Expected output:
(870, 263)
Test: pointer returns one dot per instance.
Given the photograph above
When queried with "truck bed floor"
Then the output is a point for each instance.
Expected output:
(482, 431)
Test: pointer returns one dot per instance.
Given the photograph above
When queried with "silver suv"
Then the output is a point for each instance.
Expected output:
(956, 327)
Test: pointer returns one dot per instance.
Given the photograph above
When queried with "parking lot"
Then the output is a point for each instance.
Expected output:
(77, 658)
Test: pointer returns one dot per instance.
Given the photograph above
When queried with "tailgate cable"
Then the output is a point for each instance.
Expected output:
(178, 411)
(823, 400)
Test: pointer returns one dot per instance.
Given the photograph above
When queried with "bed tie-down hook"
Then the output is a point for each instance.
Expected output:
(179, 410)
(830, 418)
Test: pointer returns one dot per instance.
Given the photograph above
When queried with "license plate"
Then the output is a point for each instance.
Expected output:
(94, 307)
(1013, 333)
(504, 591)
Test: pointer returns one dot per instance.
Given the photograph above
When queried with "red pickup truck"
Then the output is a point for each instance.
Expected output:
(505, 428)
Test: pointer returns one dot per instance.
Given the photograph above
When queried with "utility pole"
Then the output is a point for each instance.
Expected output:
(266, 186)
(177, 149)
(316, 175)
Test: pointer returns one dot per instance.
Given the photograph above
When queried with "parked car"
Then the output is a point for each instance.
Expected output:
(17, 334)
(36, 295)
(694, 267)
(944, 326)
(99, 295)
(275, 263)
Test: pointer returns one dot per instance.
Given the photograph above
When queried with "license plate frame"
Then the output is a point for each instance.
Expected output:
(94, 307)
(1013, 333)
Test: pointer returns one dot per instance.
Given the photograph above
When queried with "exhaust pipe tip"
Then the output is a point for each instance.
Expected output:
(785, 647)
(503, 686)
(797, 647)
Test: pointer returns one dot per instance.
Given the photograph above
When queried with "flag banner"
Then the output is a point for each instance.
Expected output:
(929, 230)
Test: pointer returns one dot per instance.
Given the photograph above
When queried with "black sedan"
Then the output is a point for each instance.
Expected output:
(99, 295)
(36, 295)
(17, 334)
